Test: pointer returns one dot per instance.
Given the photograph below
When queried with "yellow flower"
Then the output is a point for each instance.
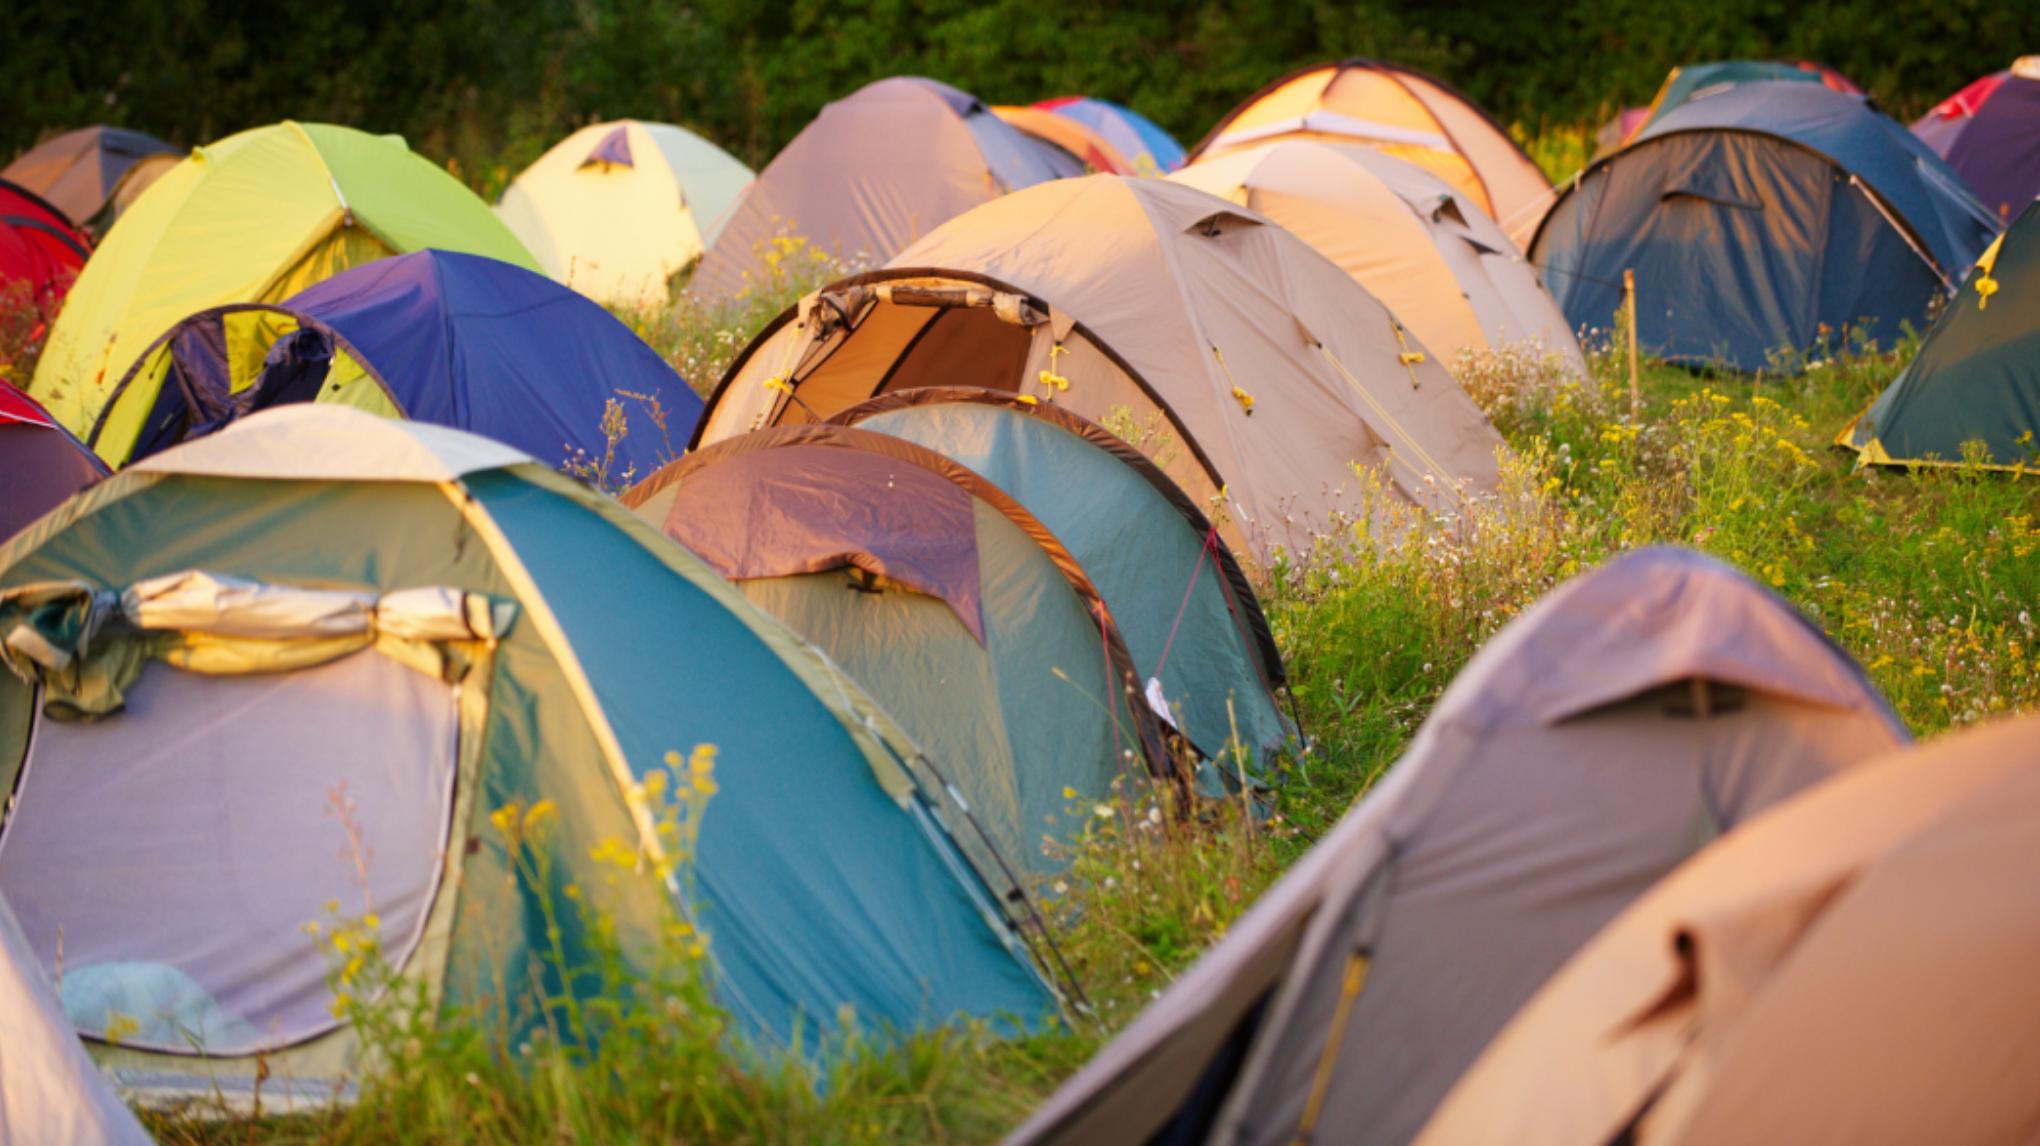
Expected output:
(505, 820)
(539, 814)
(1142, 968)
(1069, 793)
(702, 762)
(118, 1027)
(372, 921)
(572, 891)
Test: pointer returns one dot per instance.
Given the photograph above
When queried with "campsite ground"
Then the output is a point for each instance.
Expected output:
(1930, 579)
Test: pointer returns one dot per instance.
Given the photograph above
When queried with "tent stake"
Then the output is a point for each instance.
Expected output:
(1629, 306)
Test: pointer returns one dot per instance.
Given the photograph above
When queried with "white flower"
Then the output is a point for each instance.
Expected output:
(1102, 811)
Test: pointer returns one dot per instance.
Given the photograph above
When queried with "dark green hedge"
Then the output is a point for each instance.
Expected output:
(487, 84)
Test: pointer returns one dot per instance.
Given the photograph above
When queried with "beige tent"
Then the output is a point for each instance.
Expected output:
(1250, 362)
(1592, 746)
(1425, 250)
(1405, 113)
(876, 170)
(49, 1089)
(1856, 968)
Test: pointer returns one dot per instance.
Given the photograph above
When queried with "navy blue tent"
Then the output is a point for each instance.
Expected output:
(459, 340)
(1756, 217)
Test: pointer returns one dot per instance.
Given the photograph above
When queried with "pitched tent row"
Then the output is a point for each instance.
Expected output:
(1588, 749)
(280, 570)
(1261, 369)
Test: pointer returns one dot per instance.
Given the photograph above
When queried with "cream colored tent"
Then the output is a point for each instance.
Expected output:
(1591, 746)
(1405, 113)
(1422, 248)
(1855, 968)
(1247, 361)
(875, 171)
(615, 210)
(49, 1089)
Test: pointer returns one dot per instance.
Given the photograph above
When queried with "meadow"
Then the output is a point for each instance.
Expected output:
(1928, 577)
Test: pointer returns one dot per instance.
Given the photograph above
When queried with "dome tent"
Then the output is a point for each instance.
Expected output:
(875, 171)
(1689, 82)
(616, 210)
(458, 340)
(1150, 150)
(1855, 967)
(965, 619)
(83, 172)
(1184, 606)
(1976, 377)
(1586, 750)
(40, 252)
(317, 595)
(49, 1089)
(1757, 217)
(1989, 132)
(255, 217)
(1261, 368)
(1444, 268)
(1407, 114)
(41, 464)
(1084, 144)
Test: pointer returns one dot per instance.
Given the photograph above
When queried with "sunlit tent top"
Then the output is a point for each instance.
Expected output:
(255, 217)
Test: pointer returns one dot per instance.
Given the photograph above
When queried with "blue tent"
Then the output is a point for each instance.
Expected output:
(1761, 218)
(458, 340)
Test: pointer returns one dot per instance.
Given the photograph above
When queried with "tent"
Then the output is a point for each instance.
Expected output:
(1588, 749)
(49, 1089)
(1080, 141)
(40, 252)
(959, 613)
(878, 169)
(1246, 361)
(1189, 617)
(1146, 146)
(1444, 268)
(318, 618)
(1761, 220)
(459, 340)
(255, 217)
(1701, 81)
(1989, 132)
(616, 210)
(85, 171)
(1856, 967)
(1405, 113)
(1976, 377)
(41, 464)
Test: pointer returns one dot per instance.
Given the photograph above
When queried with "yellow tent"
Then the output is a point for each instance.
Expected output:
(616, 209)
(254, 217)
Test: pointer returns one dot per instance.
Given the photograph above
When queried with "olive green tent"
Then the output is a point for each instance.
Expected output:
(1187, 611)
(216, 649)
(952, 605)
(1977, 375)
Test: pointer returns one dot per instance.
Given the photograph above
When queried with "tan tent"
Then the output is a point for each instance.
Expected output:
(49, 1089)
(1592, 746)
(1426, 251)
(1251, 362)
(876, 170)
(1405, 113)
(1856, 968)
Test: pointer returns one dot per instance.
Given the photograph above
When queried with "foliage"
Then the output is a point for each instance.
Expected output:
(486, 87)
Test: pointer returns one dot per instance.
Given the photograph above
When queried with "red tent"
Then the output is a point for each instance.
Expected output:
(38, 246)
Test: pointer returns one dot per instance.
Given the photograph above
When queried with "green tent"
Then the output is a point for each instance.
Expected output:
(954, 608)
(1187, 611)
(1977, 375)
(216, 649)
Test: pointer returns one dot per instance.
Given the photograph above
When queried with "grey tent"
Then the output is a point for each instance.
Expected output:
(1591, 747)
(84, 171)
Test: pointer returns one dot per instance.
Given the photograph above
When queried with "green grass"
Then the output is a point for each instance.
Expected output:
(1929, 578)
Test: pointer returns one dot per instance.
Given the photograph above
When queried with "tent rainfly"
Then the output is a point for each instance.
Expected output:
(1592, 746)
(1250, 363)
(319, 618)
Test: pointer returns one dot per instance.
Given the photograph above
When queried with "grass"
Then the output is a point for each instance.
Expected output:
(1929, 578)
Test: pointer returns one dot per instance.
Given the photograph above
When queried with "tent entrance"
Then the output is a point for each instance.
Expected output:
(913, 337)
(165, 860)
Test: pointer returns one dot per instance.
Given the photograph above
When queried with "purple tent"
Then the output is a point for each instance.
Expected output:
(1989, 132)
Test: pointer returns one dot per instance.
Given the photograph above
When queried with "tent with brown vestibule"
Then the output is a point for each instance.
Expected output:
(1587, 750)
(1260, 377)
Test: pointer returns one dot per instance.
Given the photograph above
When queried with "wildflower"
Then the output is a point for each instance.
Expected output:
(1069, 793)
(118, 1027)
(1102, 811)
(372, 921)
